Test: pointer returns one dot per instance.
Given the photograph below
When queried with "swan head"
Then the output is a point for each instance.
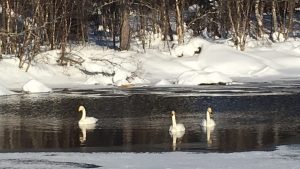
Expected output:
(209, 110)
(173, 113)
(81, 108)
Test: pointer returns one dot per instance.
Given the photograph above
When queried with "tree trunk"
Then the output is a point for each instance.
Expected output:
(259, 19)
(179, 21)
(8, 26)
(53, 15)
(83, 23)
(166, 27)
(239, 21)
(291, 8)
(125, 27)
(274, 16)
(64, 36)
(0, 48)
(143, 26)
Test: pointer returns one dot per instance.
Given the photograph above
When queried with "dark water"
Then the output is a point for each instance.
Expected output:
(249, 117)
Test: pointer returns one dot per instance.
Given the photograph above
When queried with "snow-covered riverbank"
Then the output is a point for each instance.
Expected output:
(217, 62)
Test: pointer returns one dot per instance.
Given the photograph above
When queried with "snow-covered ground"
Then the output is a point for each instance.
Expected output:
(285, 157)
(216, 62)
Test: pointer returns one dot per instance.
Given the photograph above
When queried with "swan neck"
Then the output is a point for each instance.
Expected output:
(83, 114)
(173, 121)
(207, 117)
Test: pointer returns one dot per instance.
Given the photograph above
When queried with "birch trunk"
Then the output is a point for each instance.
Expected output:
(259, 19)
(274, 16)
(179, 21)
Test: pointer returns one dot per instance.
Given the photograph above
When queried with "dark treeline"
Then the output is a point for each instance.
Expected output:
(28, 26)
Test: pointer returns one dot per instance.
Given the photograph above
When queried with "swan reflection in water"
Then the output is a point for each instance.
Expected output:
(84, 129)
(176, 136)
(208, 131)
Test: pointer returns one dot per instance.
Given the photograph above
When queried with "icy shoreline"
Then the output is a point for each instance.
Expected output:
(282, 158)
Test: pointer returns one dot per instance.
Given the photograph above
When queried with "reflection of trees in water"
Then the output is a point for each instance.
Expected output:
(21, 135)
(34, 122)
(247, 139)
(17, 133)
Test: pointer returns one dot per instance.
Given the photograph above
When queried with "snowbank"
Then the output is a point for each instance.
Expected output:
(231, 62)
(197, 78)
(34, 86)
(99, 80)
(194, 46)
(4, 91)
(200, 62)
(163, 82)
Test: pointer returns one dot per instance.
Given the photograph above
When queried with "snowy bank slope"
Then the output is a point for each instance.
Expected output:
(216, 62)
(283, 158)
(4, 91)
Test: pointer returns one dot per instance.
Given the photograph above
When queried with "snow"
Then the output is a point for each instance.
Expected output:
(278, 37)
(282, 158)
(4, 91)
(34, 86)
(194, 8)
(163, 82)
(189, 49)
(195, 78)
(99, 79)
(197, 61)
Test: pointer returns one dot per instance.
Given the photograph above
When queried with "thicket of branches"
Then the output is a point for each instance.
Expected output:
(28, 26)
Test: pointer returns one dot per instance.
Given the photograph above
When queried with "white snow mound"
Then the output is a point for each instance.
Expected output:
(4, 91)
(189, 49)
(34, 86)
(196, 78)
(99, 80)
(163, 82)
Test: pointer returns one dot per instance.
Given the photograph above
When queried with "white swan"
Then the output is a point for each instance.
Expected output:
(85, 120)
(176, 128)
(208, 122)
(176, 131)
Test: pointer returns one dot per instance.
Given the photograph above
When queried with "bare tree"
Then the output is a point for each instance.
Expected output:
(239, 15)
(259, 18)
(179, 21)
(291, 8)
(166, 27)
(125, 27)
(274, 15)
